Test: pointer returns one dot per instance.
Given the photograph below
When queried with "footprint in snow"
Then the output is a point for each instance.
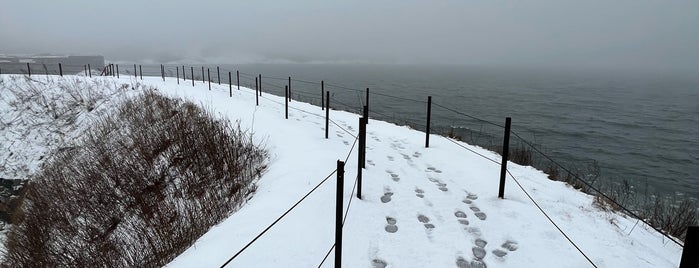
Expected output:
(467, 201)
(345, 142)
(391, 226)
(419, 193)
(462, 263)
(371, 163)
(461, 216)
(390, 158)
(508, 245)
(386, 196)
(424, 219)
(472, 196)
(417, 154)
(377, 263)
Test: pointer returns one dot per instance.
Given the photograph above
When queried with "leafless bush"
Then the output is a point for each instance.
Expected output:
(141, 187)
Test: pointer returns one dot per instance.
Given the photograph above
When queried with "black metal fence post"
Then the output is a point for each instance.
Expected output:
(60, 69)
(117, 70)
(322, 93)
(29, 70)
(89, 70)
(690, 253)
(178, 74)
(327, 112)
(339, 200)
(367, 106)
(184, 74)
(257, 96)
(202, 74)
(260, 89)
(289, 88)
(192, 67)
(286, 102)
(162, 71)
(140, 71)
(505, 152)
(230, 85)
(85, 66)
(208, 76)
(237, 77)
(362, 137)
(135, 73)
(219, 75)
(360, 157)
(427, 128)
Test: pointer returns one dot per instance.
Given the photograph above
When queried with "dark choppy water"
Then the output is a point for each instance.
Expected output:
(643, 128)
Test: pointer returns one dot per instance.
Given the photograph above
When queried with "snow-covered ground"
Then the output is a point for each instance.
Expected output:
(421, 207)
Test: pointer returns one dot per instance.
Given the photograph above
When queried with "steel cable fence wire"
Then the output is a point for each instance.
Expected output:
(477, 153)
(278, 219)
(549, 219)
(469, 116)
(596, 190)
(326, 255)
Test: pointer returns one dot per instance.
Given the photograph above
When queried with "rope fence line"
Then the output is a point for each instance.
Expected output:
(595, 189)
(550, 220)
(278, 219)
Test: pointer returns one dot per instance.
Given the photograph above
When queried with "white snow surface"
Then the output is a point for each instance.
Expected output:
(431, 195)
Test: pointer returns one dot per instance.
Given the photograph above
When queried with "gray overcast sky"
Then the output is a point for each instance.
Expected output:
(659, 34)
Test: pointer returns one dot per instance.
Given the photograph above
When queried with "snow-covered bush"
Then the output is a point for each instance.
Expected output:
(137, 189)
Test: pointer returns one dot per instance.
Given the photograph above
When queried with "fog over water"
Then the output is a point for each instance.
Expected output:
(593, 34)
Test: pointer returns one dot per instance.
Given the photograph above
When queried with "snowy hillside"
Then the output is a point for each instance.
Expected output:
(421, 207)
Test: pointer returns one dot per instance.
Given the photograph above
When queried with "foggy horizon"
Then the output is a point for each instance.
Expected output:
(643, 35)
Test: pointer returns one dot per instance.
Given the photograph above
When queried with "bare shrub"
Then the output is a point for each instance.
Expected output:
(142, 186)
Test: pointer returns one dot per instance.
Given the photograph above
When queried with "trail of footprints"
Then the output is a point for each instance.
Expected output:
(479, 250)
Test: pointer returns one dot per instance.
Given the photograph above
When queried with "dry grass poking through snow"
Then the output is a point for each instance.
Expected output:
(140, 186)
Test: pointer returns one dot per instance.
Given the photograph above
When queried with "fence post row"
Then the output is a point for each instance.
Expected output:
(230, 85)
(327, 112)
(427, 128)
(286, 102)
(690, 253)
(322, 93)
(208, 76)
(338, 212)
(505, 152)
